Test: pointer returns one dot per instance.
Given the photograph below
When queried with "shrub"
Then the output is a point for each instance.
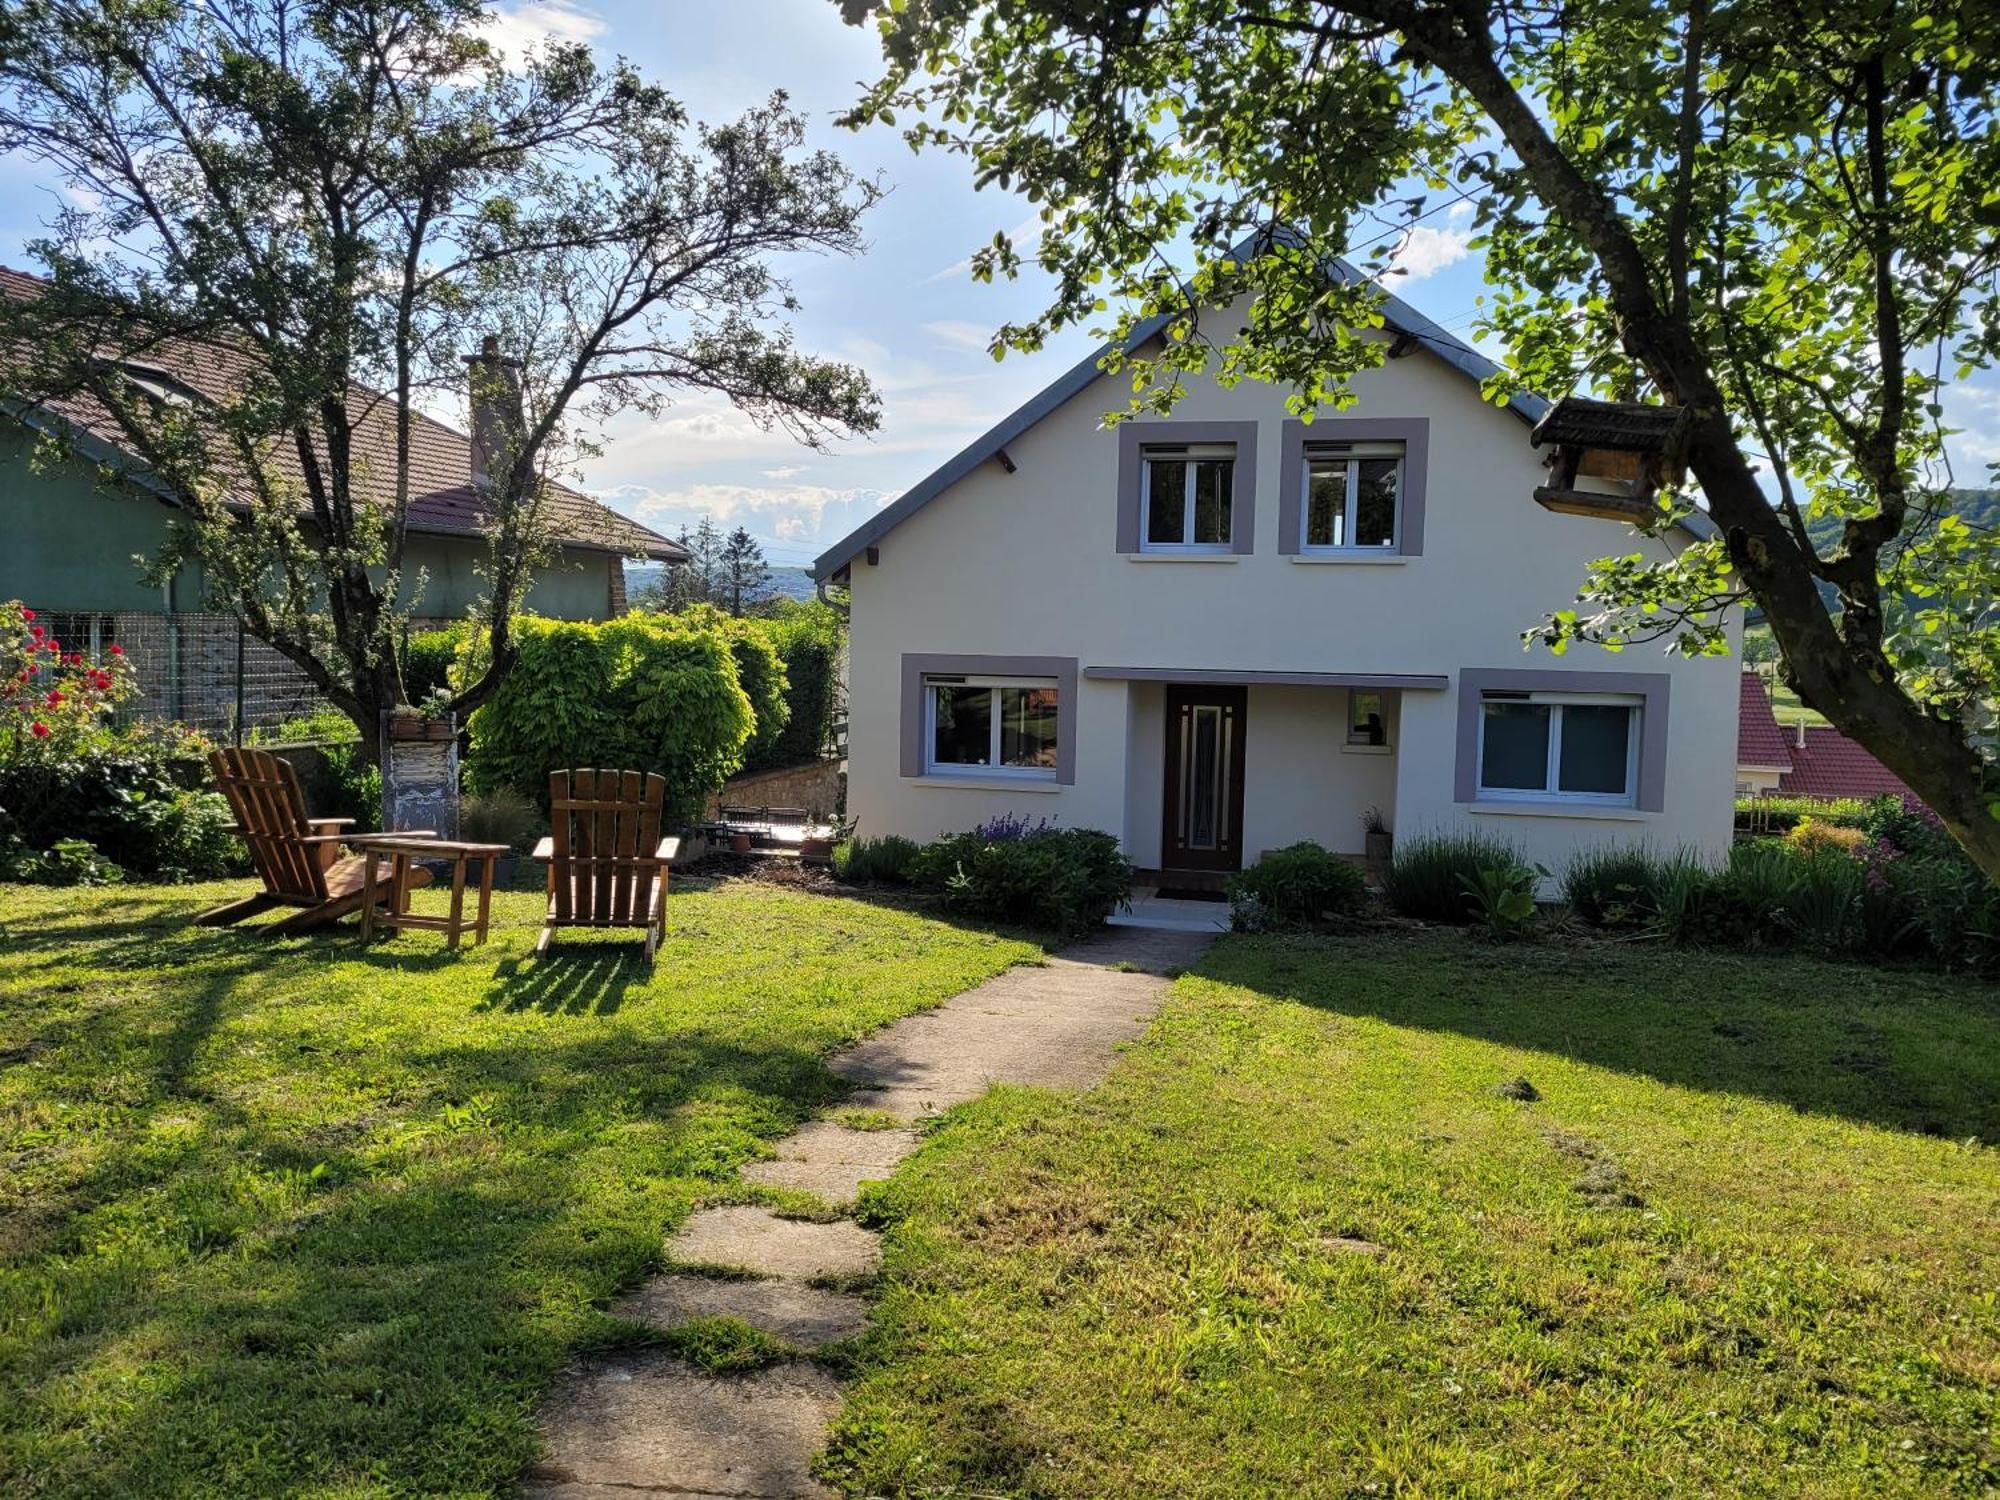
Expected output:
(66, 862)
(1429, 875)
(808, 637)
(1502, 899)
(1685, 904)
(1823, 905)
(1613, 885)
(1063, 881)
(501, 816)
(645, 692)
(885, 861)
(1780, 814)
(759, 670)
(354, 787)
(1815, 836)
(1956, 908)
(1296, 886)
(1755, 888)
(428, 658)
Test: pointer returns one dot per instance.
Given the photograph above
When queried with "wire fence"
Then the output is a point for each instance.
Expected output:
(203, 670)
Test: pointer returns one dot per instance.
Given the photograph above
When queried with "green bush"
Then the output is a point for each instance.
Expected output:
(1063, 881)
(886, 861)
(1781, 814)
(428, 657)
(66, 862)
(1430, 875)
(501, 816)
(809, 637)
(1613, 885)
(645, 693)
(759, 669)
(1294, 887)
(353, 786)
(1685, 900)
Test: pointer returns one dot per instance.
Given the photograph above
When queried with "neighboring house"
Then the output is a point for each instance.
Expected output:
(78, 529)
(1220, 633)
(1808, 760)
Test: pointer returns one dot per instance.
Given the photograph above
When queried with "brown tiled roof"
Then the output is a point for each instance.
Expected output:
(443, 500)
(1759, 740)
(1829, 764)
(1628, 426)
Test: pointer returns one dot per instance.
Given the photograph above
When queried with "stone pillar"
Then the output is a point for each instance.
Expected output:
(420, 774)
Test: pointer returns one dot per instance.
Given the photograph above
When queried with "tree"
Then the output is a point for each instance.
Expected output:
(1778, 214)
(332, 199)
(746, 577)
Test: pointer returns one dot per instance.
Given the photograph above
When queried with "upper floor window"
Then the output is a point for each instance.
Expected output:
(1571, 747)
(1189, 498)
(1000, 725)
(1353, 497)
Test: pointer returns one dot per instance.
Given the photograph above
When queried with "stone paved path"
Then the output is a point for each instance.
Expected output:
(646, 1423)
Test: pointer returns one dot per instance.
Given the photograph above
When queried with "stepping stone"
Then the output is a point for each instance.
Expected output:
(831, 1161)
(758, 1241)
(804, 1315)
(633, 1423)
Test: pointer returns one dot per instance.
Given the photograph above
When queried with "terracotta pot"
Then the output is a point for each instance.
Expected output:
(740, 842)
(1381, 848)
(816, 850)
(413, 727)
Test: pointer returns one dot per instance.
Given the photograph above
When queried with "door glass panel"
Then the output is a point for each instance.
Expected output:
(1213, 480)
(964, 731)
(1204, 777)
(1166, 500)
(1596, 741)
(1028, 726)
(1326, 505)
(1375, 502)
(1516, 754)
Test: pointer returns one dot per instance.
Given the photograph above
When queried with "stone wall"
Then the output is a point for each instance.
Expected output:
(817, 786)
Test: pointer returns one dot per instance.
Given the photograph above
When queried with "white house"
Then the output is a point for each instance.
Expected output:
(1223, 632)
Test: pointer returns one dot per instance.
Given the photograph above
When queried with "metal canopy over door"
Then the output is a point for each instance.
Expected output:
(1203, 819)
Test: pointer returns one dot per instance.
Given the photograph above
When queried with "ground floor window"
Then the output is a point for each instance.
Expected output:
(1559, 746)
(1367, 719)
(1006, 725)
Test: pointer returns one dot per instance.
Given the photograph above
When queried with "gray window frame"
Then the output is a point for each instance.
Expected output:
(919, 667)
(1414, 433)
(1135, 437)
(1652, 689)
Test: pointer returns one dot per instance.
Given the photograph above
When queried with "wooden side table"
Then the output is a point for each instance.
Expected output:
(400, 850)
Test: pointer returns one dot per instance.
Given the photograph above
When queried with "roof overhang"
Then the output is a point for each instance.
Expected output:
(1417, 682)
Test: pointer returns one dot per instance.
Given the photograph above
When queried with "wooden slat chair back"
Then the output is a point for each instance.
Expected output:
(607, 862)
(297, 858)
(270, 807)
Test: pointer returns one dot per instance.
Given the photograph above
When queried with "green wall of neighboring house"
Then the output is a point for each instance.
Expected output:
(67, 542)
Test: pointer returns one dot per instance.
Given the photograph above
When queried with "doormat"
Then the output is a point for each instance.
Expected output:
(1184, 893)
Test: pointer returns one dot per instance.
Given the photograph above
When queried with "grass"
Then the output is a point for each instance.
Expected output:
(291, 1217)
(1303, 1242)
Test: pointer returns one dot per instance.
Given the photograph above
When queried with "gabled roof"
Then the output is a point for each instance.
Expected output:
(443, 499)
(1759, 740)
(1623, 426)
(1400, 317)
(1829, 764)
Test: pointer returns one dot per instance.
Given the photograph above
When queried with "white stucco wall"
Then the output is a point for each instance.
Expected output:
(1026, 564)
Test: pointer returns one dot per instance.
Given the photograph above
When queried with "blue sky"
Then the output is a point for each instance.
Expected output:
(908, 311)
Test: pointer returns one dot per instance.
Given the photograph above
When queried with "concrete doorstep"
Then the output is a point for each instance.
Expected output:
(646, 1422)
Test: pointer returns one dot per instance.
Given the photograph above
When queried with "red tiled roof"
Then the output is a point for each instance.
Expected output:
(1759, 740)
(1829, 764)
(443, 499)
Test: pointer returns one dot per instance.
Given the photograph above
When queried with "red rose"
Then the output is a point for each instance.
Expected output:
(54, 699)
(117, 650)
(28, 614)
(39, 730)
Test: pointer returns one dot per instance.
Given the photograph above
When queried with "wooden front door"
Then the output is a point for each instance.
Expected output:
(1203, 820)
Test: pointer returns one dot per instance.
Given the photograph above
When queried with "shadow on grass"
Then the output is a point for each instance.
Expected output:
(1903, 1049)
(573, 979)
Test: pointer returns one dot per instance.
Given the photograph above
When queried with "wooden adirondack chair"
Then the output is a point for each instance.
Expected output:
(298, 858)
(607, 862)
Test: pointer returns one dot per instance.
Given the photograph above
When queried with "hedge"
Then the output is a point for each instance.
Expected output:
(646, 692)
(808, 638)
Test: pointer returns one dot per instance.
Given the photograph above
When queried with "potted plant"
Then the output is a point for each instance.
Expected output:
(1378, 844)
(429, 720)
(817, 845)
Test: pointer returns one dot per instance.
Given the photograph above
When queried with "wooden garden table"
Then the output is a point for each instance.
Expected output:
(400, 850)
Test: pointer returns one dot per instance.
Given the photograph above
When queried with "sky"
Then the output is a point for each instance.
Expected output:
(907, 311)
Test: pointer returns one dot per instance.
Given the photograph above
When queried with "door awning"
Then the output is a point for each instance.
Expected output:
(1417, 682)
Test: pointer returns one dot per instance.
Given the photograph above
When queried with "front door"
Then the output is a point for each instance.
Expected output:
(1203, 827)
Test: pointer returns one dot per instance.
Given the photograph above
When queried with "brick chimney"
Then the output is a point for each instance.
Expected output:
(497, 425)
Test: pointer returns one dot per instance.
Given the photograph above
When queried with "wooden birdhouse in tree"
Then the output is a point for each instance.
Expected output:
(1610, 459)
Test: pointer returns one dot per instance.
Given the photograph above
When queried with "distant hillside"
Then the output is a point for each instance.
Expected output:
(786, 583)
(1978, 508)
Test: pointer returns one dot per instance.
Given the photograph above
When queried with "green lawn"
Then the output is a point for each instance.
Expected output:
(295, 1218)
(1746, 1242)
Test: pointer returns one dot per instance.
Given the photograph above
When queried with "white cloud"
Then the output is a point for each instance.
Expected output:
(1027, 238)
(797, 518)
(961, 335)
(1975, 447)
(1460, 211)
(785, 471)
(518, 29)
(1427, 251)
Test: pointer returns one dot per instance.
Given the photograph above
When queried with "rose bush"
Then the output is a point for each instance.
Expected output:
(54, 704)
